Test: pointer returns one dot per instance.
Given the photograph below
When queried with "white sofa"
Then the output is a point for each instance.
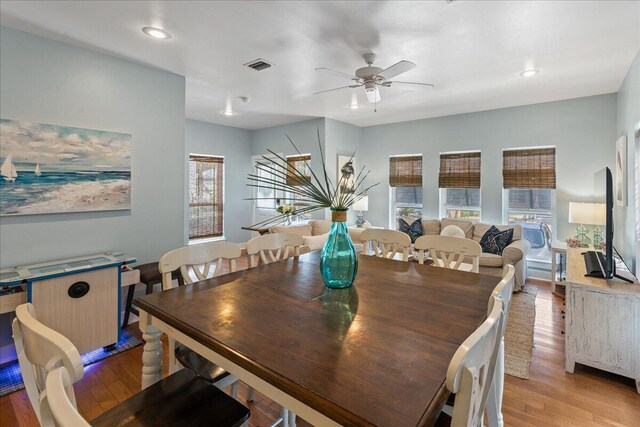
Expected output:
(315, 233)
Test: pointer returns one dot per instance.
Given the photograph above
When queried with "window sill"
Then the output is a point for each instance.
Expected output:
(207, 240)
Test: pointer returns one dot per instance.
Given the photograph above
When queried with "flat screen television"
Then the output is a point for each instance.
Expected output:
(602, 264)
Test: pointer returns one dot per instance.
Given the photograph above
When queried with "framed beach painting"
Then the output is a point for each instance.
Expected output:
(621, 172)
(54, 169)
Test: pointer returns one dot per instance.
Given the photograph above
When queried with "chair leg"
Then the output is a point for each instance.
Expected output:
(149, 289)
(292, 419)
(284, 414)
(173, 364)
(494, 401)
(127, 305)
(251, 394)
(234, 390)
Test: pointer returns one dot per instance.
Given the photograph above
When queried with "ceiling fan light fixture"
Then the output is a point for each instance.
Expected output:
(529, 73)
(228, 112)
(156, 33)
(354, 106)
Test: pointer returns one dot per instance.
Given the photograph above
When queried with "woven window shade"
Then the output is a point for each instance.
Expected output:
(205, 196)
(405, 171)
(459, 170)
(301, 164)
(529, 168)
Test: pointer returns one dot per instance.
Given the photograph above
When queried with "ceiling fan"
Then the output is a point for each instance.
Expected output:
(372, 77)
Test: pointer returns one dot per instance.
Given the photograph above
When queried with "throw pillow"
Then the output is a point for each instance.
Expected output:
(494, 241)
(414, 230)
(452, 231)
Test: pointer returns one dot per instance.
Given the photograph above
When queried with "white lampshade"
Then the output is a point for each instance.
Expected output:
(587, 213)
(362, 205)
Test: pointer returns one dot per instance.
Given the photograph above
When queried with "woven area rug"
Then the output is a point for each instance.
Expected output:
(11, 379)
(518, 337)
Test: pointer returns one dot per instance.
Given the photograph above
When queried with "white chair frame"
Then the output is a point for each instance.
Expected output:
(57, 407)
(503, 291)
(387, 243)
(472, 368)
(448, 252)
(198, 260)
(40, 350)
(273, 247)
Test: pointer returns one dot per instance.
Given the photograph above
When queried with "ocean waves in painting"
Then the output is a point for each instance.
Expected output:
(65, 191)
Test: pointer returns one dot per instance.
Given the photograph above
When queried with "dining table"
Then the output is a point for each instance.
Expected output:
(373, 354)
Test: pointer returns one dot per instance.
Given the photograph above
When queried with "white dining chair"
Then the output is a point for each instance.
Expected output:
(449, 252)
(471, 372)
(387, 243)
(50, 364)
(504, 291)
(195, 263)
(273, 247)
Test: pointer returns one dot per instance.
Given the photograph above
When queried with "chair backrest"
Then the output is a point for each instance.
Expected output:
(504, 291)
(41, 349)
(57, 406)
(472, 368)
(197, 259)
(273, 247)
(387, 243)
(449, 252)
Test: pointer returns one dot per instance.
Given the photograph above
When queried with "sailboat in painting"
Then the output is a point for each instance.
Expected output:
(38, 172)
(8, 169)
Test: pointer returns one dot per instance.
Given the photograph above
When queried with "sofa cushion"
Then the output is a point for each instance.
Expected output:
(315, 242)
(413, 231)
(452, 231)
(430, 227)
(480, 229)
(302, 229)
(319, 226)
(495, 241)
(466, 226)
(490, 260)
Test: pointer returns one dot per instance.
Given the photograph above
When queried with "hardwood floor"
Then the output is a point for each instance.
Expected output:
(551, 397)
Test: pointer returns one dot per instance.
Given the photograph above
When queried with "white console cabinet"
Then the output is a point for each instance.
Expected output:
(602, 321)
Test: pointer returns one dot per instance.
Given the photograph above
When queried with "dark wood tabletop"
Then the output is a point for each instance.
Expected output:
(373, 354)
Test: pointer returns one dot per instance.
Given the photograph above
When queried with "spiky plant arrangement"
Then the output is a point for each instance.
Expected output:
(317, 192)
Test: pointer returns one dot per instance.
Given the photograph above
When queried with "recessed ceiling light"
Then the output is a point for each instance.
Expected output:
(156, 33)
(529, 73)
(354, 106)
(227, 112)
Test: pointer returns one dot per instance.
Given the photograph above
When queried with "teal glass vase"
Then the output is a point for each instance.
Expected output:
(338, 260)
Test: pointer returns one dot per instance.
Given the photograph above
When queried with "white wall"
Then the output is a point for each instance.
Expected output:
(581, 129)
(235, 145)
(628, 109)
(51, 82)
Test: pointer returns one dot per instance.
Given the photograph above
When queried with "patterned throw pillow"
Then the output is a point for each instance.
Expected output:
(494, 241)
(414, 230)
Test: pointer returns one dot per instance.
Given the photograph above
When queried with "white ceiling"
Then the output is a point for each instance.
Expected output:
(471, 51)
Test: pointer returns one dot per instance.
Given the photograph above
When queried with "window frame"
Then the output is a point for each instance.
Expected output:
(290, 197)
(204, 239)
(393, 219)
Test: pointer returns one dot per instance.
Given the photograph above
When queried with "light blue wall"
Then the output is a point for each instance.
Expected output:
(581, 129)
(51, 82)
(235, 145)
(626, 239)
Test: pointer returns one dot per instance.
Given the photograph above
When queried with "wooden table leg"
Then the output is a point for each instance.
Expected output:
(151, 352)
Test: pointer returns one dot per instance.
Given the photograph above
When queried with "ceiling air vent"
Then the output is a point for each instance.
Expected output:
(259, 64)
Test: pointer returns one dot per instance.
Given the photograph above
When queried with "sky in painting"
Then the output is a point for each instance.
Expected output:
(64, 148)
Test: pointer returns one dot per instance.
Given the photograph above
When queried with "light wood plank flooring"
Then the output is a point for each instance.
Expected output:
(550, 398)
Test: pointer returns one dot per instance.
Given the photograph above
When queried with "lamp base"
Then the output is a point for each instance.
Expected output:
(581, 234)
(360, 220)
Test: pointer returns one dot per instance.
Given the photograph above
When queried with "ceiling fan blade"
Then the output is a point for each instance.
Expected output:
(338, 88)
(408, 85)
(338, 73)
(396, 69)
(373, 95)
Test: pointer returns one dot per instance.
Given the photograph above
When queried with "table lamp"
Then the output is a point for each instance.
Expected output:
(587, 213)
(361, 205)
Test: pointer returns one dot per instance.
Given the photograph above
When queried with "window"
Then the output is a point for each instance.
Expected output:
(459, 182)
(405, 180)
(529, 179)
(206, 175)
(301, 163)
